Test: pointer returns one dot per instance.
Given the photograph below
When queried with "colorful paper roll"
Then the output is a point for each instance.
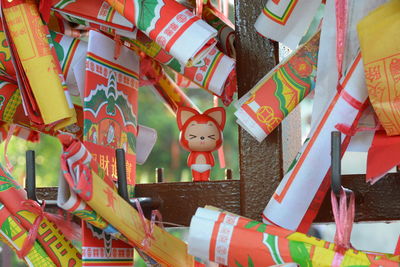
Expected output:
(93, 189)
(57, 246)
(213, 73)
(232, 240)
(40, 76)
(170, 25)
(382, 63)
(306, 182)
(264, 107)
(286, 21)
(14, 235)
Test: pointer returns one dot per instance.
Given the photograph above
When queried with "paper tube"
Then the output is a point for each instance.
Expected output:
(264, 107)
(306, 182)
(171, 25)
(286, 21)
(57, 246)
(232, 240)
(41, 71)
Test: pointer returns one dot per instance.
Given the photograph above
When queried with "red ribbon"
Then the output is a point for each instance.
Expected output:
(44, 9)
(66, 228)
(341, 32)
(10, 133)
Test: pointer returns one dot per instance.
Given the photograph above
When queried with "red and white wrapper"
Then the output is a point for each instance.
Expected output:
(286, 21)
(297, 199)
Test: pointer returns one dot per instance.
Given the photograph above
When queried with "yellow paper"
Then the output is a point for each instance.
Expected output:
(379, 35)
(31, 41)
(165, 248)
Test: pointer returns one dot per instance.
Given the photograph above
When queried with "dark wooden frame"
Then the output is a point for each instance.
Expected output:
(261, 166)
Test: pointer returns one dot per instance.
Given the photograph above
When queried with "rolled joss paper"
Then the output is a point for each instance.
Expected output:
(40, 69)
(14, 235)
(110, 104)
(57, 246)
(94, 190)
(213, 73)
(95, 14)
(382, 62)
(286, 21)
(6, 65)
(171, 25)
(264, 107)
(163, 86)
(232, 240)
(306, 182)
(13, 112)
(70, 52)
(226, 32)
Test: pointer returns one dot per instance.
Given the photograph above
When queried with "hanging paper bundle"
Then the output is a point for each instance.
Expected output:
(306, 182)
(232, 240)
(94, 14)
(382, 63)
(172, 26)
(215, 72)
(33, 218)
(264, 107)
(163, 86)
(15, 235)
(92, 188)
(286, 21)
(110, 108)
(37, 66)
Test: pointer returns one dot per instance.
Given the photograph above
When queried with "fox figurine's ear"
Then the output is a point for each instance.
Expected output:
(183, 114)
(218, 114)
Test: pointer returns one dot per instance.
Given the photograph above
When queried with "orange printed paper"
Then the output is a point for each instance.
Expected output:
(379, 35)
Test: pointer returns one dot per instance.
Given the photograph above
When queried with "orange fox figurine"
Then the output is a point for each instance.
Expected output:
(201, 134)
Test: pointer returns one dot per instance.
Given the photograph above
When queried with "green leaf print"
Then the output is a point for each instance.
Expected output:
(251, 224)
(147, 12)
(6, 184)
(299, 253)
(249, 262)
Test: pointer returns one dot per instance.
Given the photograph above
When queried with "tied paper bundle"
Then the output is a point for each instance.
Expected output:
(264, 107)
(163, 86)
(7, 129)
(33, 218)
(382, 63)
(306, 182)
(232, 240)
(215, 72)
(43, 89)
(14, 235)
(110, 103)
(185, 36)
(88, 182)
(94, 14)
(286, 21)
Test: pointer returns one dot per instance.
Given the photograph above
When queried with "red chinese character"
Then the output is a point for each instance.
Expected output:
(373, 73)
(395, 69)
(174, 26)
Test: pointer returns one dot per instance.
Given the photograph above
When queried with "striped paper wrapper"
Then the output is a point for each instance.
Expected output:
(286, 21)
(306, 182)
(93, 189)
(37, 66)
(6, 65)
(110, 104)
(95, 14)
(14, 235)
(213, 73)
(57, 246)
(382, 63)
(264, 107)
(171, 25)
(164, 87)
(232, 240)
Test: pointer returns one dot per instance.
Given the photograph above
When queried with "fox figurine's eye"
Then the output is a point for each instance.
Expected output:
(212, 137)
(192, 136)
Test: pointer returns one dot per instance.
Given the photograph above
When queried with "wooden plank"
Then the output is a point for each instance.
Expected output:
(260, 164)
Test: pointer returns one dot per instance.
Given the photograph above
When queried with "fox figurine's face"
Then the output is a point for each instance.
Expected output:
(201, 132)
